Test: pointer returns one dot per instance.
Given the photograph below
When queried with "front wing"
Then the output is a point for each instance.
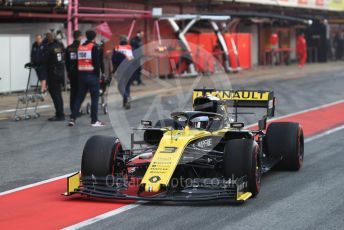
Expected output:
(237, 192)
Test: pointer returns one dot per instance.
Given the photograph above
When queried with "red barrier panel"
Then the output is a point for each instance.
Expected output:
(205, 50)
(243, 42)
(239, 49)
(199, 43)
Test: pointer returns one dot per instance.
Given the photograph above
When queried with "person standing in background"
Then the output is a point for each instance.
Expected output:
(55, 67)
(136, 44)
(301, 49)
(338, 41)
(108, 68)
(37, 61)
(122, 60)
(72, 67)
(89, 67)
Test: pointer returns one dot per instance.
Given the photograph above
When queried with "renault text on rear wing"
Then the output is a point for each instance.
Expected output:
(242, 98)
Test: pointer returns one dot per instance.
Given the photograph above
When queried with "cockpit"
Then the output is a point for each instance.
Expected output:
(199, 120)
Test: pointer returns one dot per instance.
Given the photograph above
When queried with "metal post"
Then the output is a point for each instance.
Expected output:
(131, 28)
(158, 31)
(181, 36)
(236, 52)
(115, 10)
(76, 12)
(69, 22)
(223, 46)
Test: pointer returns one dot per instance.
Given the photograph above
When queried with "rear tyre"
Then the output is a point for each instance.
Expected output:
(99, 156)
(286, 140)
(241, 158)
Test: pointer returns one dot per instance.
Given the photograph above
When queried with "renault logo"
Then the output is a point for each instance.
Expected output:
(154, 179)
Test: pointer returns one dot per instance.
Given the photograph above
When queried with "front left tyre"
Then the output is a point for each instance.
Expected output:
(100, 156)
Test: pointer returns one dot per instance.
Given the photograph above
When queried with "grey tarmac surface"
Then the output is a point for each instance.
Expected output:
(37, 150)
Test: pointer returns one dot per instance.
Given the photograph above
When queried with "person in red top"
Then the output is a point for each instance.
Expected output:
(89, 68)
(301, 50)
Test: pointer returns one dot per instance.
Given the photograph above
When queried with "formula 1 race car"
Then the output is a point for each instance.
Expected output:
(204, 154)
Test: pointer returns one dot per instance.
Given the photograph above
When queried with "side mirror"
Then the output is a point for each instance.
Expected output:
(237, 125)
(146, 123)
(262, 123)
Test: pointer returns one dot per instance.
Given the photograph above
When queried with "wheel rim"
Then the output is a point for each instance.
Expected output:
(116, 150)
(300, 146)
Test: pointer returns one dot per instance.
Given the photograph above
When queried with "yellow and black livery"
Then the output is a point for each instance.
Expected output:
(198, 155)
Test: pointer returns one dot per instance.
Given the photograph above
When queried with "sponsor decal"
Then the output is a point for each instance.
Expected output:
(204, 143)
(237, 95)
(242, 186)
(84, 55)
(169, 150)
(73, 56)
(154, 179)
(59, 57)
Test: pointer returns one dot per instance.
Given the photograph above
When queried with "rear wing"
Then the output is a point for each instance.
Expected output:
(242, 98)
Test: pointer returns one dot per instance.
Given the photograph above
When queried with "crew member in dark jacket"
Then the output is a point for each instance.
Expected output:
(72, 67)
(89, 66)
(37, 61)
(55, 66)
(123, 65)
(136, 44)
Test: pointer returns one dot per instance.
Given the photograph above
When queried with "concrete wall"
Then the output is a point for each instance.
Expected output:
(293, 56)
(254, 45)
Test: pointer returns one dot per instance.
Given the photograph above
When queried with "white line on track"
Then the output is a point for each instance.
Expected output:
(131, 206)
(323, 134)
(29, 108)
(308, 110)
(103, 216)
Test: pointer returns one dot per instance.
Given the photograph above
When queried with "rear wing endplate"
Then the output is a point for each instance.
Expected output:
(242, 98)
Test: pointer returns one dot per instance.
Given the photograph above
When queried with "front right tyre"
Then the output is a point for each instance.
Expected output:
(241, 159)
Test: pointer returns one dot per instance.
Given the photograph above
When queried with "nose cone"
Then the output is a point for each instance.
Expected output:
(152, 187)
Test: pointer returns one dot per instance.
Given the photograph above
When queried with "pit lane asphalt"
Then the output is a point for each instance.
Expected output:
(36, 150)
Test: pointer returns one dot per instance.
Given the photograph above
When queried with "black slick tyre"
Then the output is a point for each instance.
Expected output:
(99, 156)
(285, 140)
(241, 158)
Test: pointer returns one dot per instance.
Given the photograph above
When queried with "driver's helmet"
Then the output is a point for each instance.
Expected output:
(201, 122)
(209, 104)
